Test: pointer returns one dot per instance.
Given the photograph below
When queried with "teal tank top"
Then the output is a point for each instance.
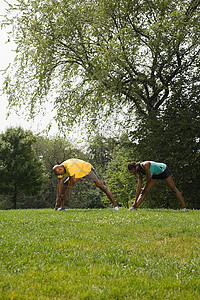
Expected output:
(156, 167)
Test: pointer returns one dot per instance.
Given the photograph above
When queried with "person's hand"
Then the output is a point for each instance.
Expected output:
(57, 204)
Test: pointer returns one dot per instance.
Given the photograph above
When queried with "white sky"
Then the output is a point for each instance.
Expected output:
(7, 54)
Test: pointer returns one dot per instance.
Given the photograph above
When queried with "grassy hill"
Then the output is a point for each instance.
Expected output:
(100, 254)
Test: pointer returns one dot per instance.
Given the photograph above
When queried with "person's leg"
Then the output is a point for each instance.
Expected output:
(171, 184)
(145, 192)
(104, 189)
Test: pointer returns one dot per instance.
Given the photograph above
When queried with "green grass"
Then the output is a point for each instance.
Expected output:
(100, 254)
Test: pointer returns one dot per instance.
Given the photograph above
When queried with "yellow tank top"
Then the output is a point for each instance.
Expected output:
(76, 167)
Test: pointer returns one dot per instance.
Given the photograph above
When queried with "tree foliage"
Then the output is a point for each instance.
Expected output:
(21, 171)
(100, 151)
(173, 138)
(119, 180)
(100, 56)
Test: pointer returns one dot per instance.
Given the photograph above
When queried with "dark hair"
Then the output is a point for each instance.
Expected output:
(135, 165)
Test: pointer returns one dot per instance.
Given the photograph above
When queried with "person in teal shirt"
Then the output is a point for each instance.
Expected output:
(153, 171)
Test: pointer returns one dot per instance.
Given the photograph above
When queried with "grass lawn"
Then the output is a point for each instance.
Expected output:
(100, 254)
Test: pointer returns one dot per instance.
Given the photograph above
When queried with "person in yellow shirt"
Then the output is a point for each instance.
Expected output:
(75, 169)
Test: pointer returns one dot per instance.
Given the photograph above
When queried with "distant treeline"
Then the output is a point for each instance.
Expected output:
(26, 162)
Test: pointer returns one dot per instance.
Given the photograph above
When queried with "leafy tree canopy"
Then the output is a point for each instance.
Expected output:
(21, 171)
(173, 138)
(99, 56)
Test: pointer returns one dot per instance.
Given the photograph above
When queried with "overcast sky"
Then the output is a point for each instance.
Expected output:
(7, 54)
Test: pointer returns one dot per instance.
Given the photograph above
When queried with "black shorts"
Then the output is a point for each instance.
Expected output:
(164, 175)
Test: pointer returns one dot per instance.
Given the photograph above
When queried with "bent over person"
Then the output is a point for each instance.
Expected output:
(75, 169)
(153, 171)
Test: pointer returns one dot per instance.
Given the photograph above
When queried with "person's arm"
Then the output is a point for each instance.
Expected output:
(147, 166)
(139, 186)
(71, 181)
(138, 189)
(67, 187)
(60, 181)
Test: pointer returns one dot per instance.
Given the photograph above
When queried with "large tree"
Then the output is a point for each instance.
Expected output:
(101, 55)
(173, 137)
(21, 171)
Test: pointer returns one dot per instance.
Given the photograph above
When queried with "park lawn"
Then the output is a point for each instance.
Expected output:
(100, 254)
